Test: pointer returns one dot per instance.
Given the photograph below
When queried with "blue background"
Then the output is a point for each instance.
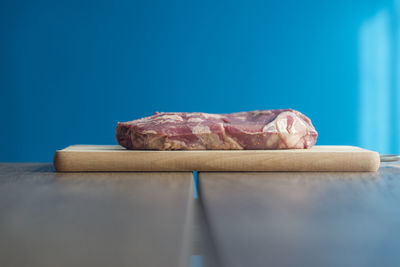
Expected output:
(69, 70)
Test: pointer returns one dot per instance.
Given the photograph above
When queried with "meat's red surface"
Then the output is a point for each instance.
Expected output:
(260, 129)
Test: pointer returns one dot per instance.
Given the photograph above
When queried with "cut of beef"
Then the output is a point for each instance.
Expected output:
(261, 129)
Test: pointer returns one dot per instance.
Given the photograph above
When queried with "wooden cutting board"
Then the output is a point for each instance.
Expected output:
(115, 158)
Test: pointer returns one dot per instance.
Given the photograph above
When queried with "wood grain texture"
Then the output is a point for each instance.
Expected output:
(92, 219)
(304, 219)
(116, 158)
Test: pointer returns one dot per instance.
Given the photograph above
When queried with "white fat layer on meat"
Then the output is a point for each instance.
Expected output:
(295, 125)
(279, 124)
(195, 120)
(149, 132)
(201, 129)
(174, 144)
(207, 115)
(299, 126)
(270, 128)
(309, 140)
(292, 139)
(170, 118)
(282, 125)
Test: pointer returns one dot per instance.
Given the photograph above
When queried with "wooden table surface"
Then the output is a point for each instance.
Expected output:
(93, 219)
(239, 219)
(304, 219)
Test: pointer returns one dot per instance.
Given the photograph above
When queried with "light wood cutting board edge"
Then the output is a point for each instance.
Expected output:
(80, 158)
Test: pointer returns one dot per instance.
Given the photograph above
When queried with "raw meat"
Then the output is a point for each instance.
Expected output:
(260, 129)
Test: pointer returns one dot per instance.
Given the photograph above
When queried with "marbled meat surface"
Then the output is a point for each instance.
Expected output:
(260, 129)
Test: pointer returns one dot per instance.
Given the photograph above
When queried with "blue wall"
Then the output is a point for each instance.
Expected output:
(69, 70)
